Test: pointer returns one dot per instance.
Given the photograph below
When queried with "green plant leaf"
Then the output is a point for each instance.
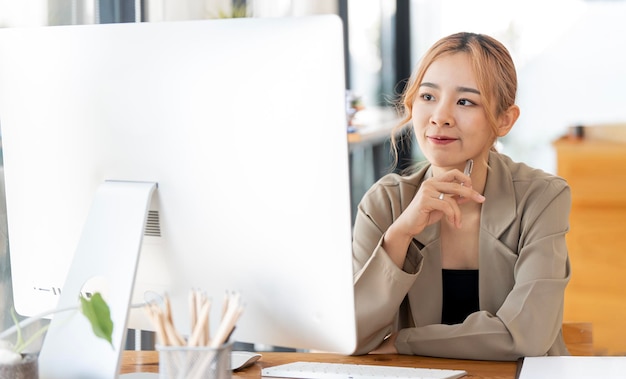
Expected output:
(97, 312)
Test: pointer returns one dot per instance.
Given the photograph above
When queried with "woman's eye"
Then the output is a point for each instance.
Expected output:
(427, 97)
(465, 102)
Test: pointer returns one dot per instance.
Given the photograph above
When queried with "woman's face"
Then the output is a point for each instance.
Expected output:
(449, 120)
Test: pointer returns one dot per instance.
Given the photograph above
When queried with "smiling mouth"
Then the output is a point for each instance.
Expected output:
(441, 138)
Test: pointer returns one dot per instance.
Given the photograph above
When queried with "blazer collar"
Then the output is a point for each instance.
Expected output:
(499, 209)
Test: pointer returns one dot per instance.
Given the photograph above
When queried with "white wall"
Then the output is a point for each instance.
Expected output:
(579, 79)
(23, 13)
(168, 10)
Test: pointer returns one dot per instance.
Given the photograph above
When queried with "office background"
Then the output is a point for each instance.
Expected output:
(569, 53)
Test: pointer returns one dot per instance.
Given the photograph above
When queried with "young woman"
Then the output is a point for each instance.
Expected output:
(460, 265)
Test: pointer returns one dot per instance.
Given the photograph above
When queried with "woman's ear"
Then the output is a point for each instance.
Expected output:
(507, 120)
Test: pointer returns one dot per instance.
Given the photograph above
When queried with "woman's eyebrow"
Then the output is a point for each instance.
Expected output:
(468, 89)
(458, 89)
(429, 84)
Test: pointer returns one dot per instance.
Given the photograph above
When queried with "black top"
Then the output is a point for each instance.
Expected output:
(460, 295)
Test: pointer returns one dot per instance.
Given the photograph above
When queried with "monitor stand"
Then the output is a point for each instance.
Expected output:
(108, 252)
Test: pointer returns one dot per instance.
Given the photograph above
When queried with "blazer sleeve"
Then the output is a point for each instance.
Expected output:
(379, 285)
(528, 323)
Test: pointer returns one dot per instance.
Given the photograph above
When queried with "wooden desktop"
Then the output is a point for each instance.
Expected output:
(578, 338)
(148, 361)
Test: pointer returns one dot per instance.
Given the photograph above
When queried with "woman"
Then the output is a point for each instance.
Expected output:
(460, 265)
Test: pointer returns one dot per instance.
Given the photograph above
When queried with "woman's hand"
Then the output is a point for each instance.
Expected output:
(436, 198)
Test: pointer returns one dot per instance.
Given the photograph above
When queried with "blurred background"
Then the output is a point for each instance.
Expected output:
(569, 53)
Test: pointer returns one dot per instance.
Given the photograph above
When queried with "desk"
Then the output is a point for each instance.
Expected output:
(370, 149)
(147, 361)
(373, 126)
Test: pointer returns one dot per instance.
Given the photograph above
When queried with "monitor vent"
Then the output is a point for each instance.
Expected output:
(153, 225)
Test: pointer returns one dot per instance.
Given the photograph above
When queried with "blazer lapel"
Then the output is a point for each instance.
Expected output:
(426, 295)
(496, 260)
(499, 209)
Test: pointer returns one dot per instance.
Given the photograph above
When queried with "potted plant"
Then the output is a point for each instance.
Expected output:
(15, 363)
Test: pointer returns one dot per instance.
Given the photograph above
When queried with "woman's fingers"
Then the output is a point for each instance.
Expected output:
(457, 191)
(447, 204)
(439, 197)
(448, 191)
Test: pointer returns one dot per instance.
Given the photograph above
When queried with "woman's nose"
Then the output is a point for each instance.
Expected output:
(442, 115)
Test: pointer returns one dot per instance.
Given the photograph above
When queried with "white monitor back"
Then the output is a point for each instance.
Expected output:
(242, 125)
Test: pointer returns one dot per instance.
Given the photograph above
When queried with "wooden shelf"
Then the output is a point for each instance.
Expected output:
(595, 171)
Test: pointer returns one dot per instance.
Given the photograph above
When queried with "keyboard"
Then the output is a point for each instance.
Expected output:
(320, 370)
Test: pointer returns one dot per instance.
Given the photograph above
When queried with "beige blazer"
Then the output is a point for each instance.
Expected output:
(523, 270)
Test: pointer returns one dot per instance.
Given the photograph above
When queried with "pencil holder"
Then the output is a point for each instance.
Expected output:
(27, 368)
(191, 362)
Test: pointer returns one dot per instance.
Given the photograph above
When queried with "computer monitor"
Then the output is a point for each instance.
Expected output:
(240, 123)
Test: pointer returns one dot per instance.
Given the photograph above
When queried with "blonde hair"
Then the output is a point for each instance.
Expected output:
(492, 65)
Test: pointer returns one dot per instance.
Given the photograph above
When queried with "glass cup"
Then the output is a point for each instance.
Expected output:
(194, 362)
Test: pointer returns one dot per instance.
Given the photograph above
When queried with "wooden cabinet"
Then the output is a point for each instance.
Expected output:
(596, 172)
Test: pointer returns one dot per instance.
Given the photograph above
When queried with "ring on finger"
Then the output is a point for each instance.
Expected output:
(441, 195)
